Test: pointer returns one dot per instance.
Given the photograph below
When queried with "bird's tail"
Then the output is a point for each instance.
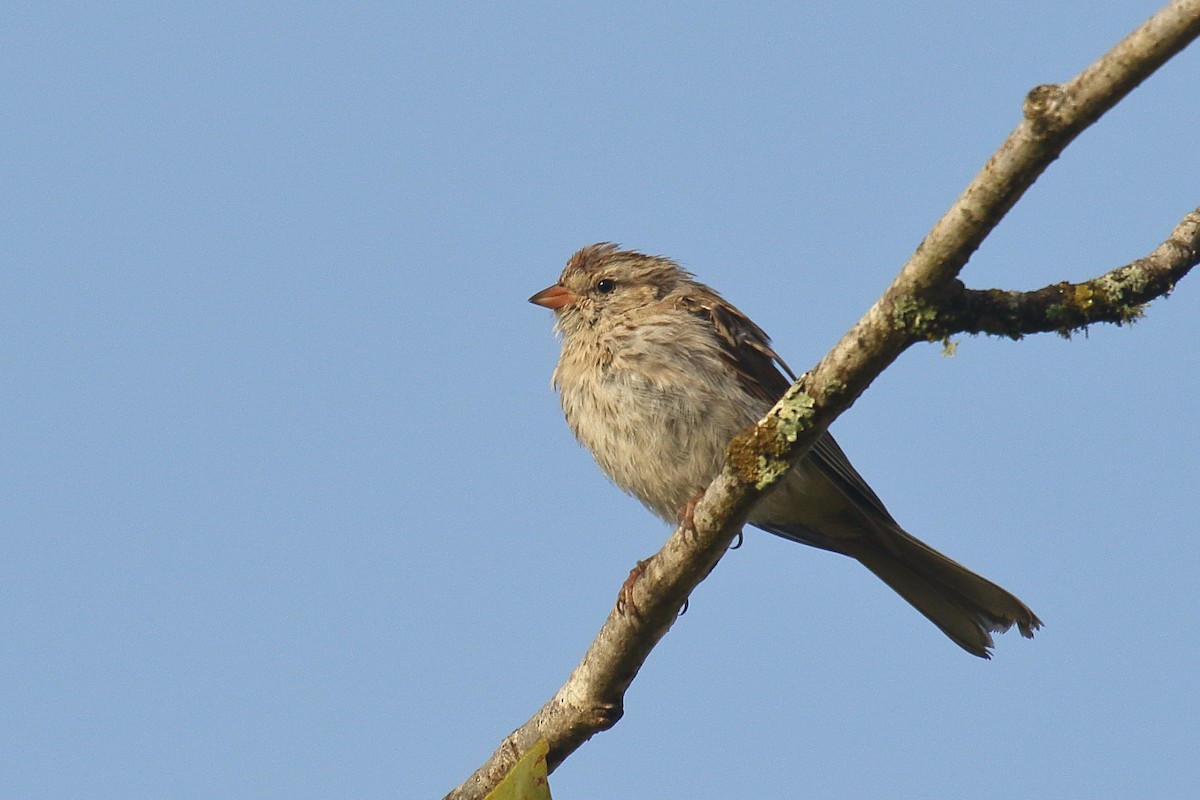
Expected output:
(967, 607)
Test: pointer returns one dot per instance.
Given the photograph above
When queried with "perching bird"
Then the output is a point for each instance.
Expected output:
(658, 372)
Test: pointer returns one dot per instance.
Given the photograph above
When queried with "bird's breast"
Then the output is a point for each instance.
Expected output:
(656, 431)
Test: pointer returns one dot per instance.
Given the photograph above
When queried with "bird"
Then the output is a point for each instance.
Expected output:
(658, 372)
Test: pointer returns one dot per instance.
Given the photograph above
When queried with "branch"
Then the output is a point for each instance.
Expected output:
(1118, 296)
(591, 699)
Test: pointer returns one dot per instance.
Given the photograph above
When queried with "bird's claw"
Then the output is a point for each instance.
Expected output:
(687, 515)
(625, 602)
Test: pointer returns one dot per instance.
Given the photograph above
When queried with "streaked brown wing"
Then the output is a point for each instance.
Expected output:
(747, 349)
(744, 346)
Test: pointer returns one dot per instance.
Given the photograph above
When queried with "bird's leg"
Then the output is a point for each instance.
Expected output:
(625, 603)
(687, 518)
(687, 514)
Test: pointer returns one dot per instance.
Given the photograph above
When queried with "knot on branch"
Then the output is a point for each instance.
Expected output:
(601, 715)
(1043, 106)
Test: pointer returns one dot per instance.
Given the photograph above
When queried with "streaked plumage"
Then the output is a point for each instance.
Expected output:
(658, 372)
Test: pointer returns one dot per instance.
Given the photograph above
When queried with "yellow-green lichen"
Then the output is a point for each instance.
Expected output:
(794, 413)
(759, 455)
(1105, 299)
(917, 316)
(1131, 279)
(1118, 287)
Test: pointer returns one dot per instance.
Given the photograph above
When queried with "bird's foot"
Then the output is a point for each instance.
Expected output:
(625, 602)
(687, 514)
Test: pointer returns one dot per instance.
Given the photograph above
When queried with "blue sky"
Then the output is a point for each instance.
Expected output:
(288, 506)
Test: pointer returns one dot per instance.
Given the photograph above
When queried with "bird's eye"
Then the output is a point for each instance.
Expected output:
(604, 285)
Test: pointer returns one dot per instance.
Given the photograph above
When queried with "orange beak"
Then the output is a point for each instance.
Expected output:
(554, 297)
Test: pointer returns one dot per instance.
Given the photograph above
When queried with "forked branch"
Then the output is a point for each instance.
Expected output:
(925, 301)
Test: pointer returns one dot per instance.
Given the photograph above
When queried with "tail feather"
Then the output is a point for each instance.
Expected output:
(966, 607)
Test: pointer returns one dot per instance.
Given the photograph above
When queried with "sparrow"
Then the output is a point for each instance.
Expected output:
(658, 372)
